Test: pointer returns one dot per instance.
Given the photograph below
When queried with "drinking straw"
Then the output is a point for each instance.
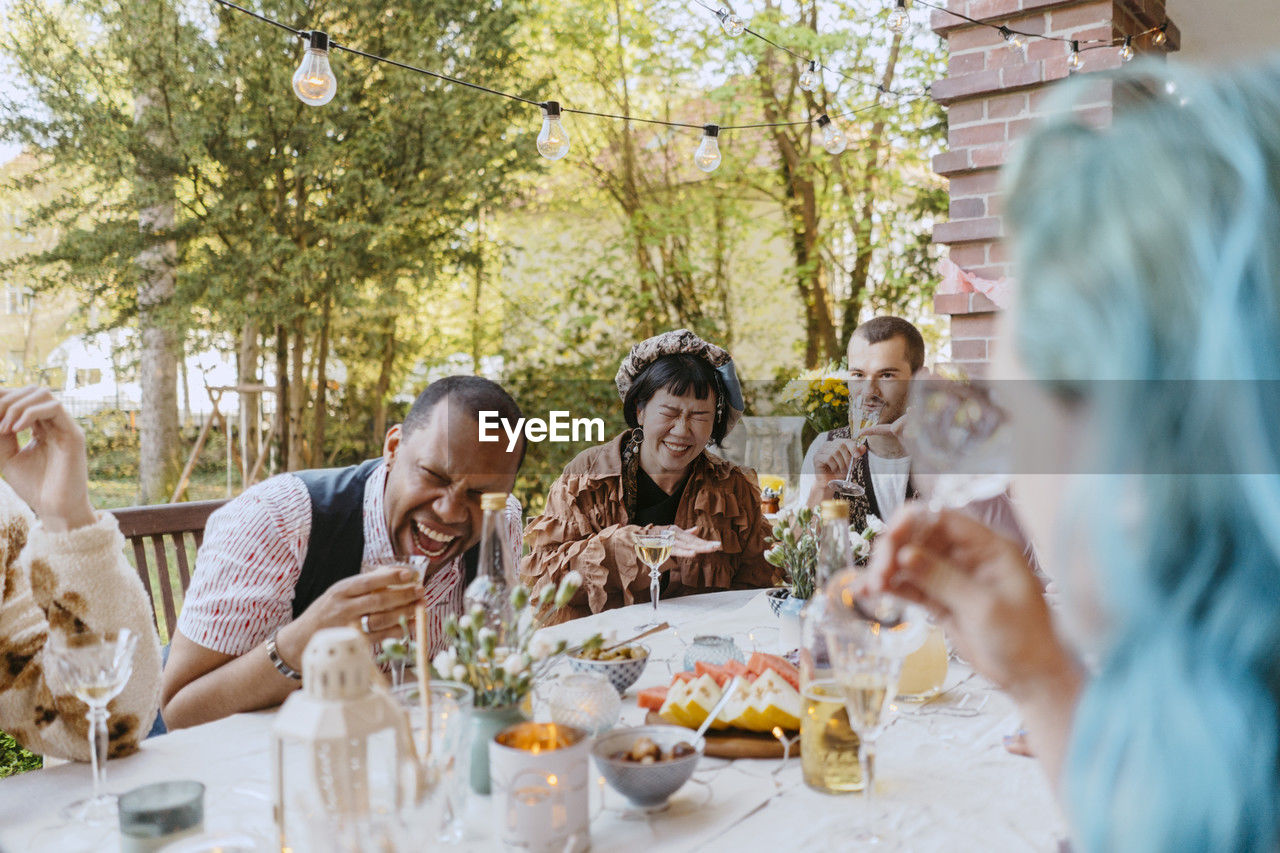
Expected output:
(424, 675)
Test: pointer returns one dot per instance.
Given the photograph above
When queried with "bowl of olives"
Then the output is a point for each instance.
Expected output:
(647, 764)
(622, 666)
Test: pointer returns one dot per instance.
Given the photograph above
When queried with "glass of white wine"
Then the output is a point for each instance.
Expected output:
(653, 549)
(868, 679)
(94, 668)
(864, 412)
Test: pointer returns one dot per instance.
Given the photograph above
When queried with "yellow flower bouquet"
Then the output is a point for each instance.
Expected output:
(821, 396)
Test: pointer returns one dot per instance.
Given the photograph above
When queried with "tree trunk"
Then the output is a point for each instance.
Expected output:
(297, 397)
(384, 384)
(321, 413)
(477, 292)
(250, 401)
(159, 463)
(282, 392)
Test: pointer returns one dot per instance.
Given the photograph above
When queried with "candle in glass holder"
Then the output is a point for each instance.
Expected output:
(539, 776)
(586, 701)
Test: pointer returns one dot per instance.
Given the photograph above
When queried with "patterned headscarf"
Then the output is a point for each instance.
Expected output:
(729, 404)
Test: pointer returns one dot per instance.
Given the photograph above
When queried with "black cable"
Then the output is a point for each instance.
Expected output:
(1087, 44)
(434, 74)
(302, 33)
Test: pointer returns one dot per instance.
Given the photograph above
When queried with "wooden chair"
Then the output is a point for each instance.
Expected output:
(176, 529)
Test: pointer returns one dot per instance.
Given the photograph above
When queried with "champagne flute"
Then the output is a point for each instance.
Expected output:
(94, 668)
(652, 549)
(868, 678)
(863, 413)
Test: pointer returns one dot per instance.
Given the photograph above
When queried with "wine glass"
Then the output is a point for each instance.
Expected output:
(652, 549)
(396, 653)
(959, 439)
(863, 413)
(94, 668)
(868, 678)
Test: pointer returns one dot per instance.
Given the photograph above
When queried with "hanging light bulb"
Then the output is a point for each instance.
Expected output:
(553, 139)
(1074, 62)
(731, 23)
(898, 18)
(1161, 36)
(1126, 52)
(314, 82)
(707, 157)
(809, 78)
(833, 138)
(1016, 42)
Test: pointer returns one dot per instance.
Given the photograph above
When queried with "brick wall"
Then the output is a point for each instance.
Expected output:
(992, 97)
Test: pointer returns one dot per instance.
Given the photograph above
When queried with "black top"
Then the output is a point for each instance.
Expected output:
(653, 505)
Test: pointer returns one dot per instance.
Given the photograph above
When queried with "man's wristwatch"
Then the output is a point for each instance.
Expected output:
(278, 662)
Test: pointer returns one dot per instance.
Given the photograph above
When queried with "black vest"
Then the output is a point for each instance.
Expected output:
(336, 547)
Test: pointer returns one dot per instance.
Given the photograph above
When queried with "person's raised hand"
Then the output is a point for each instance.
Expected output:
(978, 586)
(50, 472)
(384, 596)
(834, 460)
(689, 544)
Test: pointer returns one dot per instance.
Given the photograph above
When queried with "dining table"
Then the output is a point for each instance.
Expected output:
(945, 781)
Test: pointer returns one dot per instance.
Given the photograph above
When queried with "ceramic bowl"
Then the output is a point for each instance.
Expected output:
(622, 673)
(647, 786)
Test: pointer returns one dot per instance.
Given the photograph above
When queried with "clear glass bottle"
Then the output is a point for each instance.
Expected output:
(496, 572)
(828, 746)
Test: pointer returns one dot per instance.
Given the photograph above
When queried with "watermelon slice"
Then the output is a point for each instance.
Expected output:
(652, 697)
(717, 673)
(760, 662)
(684, 676)
(737, 667)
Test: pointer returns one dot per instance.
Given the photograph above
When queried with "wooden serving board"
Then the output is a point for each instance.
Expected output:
(735, 743)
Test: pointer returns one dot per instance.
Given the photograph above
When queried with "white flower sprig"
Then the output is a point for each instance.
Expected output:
(501, 665)
(861, 539)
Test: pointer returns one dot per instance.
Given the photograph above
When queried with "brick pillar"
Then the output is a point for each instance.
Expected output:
(992, 97)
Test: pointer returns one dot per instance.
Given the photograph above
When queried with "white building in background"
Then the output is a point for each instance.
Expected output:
(87, 370)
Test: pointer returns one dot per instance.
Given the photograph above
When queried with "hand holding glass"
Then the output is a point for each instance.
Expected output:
(863, 413)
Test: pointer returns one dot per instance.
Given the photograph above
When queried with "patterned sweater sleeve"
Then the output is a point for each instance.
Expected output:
(69, 583)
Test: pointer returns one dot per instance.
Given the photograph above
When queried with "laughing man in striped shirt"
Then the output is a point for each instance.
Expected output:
(284, 559)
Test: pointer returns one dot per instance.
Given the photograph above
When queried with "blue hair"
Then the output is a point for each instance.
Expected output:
(1148, 256)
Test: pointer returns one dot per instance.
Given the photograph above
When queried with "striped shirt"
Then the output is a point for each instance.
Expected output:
(249, 563)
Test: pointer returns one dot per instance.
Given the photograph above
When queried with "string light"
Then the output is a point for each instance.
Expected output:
(313, 82)
(833, 138)
(898, 18)
(707, 157)
(732, 24)
(1126, 52)
(1016, 42)
(553, 139)
(1161, 36)
(1074, 62)
(809, 78)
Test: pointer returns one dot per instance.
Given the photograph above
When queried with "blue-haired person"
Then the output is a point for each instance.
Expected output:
(1148, 321)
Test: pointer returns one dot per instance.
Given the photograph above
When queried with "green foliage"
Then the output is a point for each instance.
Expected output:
(15, 759)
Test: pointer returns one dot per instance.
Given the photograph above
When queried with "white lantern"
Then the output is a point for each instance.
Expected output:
(345, 771)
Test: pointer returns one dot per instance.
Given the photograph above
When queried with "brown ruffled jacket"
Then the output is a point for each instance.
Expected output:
(585, 527)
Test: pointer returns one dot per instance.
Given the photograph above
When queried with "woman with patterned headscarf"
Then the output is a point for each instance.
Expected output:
(679, 393)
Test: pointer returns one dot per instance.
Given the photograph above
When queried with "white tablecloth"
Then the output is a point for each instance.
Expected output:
(945, 780)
